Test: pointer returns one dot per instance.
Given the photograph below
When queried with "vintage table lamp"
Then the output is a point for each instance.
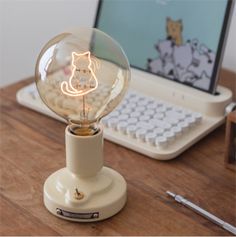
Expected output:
(82, 76)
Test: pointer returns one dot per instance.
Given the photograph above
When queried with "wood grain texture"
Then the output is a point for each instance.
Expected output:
(32, 147)
(230, 141)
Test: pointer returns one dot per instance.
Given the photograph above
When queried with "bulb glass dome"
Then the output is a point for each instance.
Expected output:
(82, 75)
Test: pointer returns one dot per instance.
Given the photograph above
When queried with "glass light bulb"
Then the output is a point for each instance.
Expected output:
(82, 75)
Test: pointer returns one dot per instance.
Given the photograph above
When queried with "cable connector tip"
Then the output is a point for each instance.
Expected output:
(171, 194)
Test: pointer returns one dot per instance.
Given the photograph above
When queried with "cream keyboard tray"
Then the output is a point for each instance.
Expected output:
(212, 108)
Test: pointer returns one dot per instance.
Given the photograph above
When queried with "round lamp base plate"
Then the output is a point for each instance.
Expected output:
(85, 199)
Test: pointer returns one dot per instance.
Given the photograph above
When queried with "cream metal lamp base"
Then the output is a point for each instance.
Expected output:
(84, 191)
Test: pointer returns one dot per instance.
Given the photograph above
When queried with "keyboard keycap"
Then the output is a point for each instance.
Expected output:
(112, 122)
(141, 133)
(191, 121)
(131, 121)
(145, 118)
(149, 112)
(127, 111)
(135, 114)
(123, 117)
(169, 135)
(143, 102)
(145, 125)
(158, 131)
(172, 121)
(121, 126)
(134, 99)
(130, 106)
(151, 138)
(160, 123)
(158, 116)
(152, 106)
(140, 109)
(177, 130)
(161, 141)
(175, 115)
(197, 116)
(161, 109)
(184, 126)
(131, 130)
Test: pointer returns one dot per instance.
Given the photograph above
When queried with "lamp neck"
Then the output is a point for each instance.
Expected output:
(84, 129)
(84, 154)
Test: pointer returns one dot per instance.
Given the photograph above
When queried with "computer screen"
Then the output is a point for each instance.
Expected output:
(177, 40)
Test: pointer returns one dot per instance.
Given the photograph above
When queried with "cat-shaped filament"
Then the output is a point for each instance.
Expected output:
(83, 79)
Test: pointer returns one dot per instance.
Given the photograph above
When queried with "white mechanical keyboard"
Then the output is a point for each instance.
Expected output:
(146, 124)
(151, 121)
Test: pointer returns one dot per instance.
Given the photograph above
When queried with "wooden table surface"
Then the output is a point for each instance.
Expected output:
(32, 147)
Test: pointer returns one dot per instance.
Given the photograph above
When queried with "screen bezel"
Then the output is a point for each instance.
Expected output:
(219, 51)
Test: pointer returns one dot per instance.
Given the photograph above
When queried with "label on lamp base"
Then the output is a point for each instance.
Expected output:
(75, 215)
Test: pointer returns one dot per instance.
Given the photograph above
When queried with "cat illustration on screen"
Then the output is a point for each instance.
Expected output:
(189, 62)
(182, 58)
(83, 79)
(202, 62)
(174, 30)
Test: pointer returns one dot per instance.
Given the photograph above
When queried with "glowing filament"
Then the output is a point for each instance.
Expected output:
(85, 80)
